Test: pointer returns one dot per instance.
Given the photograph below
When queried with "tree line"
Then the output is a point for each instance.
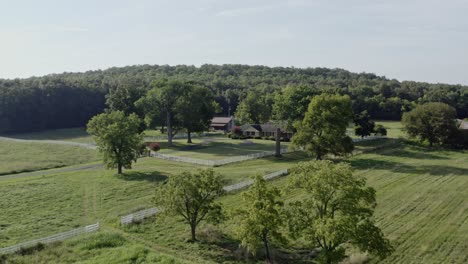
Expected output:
(254, 93)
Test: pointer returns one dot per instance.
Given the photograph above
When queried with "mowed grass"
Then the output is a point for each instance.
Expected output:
(38, 206)
(394, 129)
(16, 157)
(421, 208)
(67, 134)
(421, 197)
(214, 148)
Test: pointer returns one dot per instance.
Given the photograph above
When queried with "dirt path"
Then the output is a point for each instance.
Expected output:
(59, 142)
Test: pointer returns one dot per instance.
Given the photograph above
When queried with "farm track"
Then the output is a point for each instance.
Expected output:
(59, 142)
(50, 171)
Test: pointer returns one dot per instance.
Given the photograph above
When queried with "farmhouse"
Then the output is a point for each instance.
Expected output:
(264, 130)
(222, 123)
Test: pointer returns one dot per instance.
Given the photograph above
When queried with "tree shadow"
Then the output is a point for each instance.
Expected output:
(414, 153)
(434, 170)
(143, 176)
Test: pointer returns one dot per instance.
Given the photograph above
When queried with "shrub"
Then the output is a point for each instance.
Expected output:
(235, 137)
(103, 240)
(236, 130)
(380, 130)
(154, 146)
(258, 137)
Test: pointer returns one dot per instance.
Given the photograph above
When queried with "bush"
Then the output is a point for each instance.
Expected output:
(229, 135)
(103, 240)
(235, 137)
(380, 130)
(258, 137)
(236, 130)
(154, 146)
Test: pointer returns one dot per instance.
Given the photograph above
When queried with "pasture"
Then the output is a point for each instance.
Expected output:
(215, 148)
(421, 195)
(17, 157)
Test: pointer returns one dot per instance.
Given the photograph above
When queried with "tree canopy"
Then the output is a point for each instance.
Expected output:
(323, 129)
(432, 122)
(192, 197)
(260, 221)
(71, 99)
(118, 138)
(335, 211)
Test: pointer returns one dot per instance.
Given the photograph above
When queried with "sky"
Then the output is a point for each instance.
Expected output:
(421, 40)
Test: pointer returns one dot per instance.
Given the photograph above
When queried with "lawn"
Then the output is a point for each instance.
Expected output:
(37, 206)
(421, 197)
(67, 134)
(16, 157)
(214, 148)
(394, 129)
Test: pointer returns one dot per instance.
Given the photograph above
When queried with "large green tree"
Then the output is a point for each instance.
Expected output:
(336, 211)
(193, 197)
(118, 138)
(254, 108)
(260, 221)
(195, 108)
(323, 129)
(161, 103)
(363, 125)
(291, 103)
(431, 122)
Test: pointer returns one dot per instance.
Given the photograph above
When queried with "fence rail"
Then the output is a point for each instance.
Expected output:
(182, 136)
(216, 163)
(140, 215)
(51, 239)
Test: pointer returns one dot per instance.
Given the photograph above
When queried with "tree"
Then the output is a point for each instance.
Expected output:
(194, 109)
(291, 103)
(363, 125)
(160, 103)
(124, 96)
(323, 129)
(192, 196)
(253, 109)
(380, 130)
(336, 211)
(118, 138)
(434, 122)
(262, 218)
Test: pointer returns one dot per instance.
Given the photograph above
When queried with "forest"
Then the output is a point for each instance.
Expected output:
(71, 99)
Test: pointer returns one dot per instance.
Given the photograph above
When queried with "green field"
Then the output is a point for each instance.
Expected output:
(67, 134)
(214, 148)
(421, 195)
(16, 157)
(394, 129)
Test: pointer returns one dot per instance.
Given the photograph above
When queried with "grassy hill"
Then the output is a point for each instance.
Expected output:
(421, 207)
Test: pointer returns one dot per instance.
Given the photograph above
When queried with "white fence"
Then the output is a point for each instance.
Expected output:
(216, 163)
(181, 136)
(368, 138)
(50, 239)
(140, 215)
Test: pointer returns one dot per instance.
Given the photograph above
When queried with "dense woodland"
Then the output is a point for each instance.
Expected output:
(71, 99)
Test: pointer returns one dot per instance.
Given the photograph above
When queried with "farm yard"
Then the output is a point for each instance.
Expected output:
(421, 196)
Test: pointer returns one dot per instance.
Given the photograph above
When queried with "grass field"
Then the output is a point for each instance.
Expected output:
(421, 207)
(67, 134)
(18, 157)
(213, 148)
(394, 129)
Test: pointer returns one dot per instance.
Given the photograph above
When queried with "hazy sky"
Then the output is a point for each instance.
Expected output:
(423, 40)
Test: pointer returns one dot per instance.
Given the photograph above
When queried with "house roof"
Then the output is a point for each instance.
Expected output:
(221, 120)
